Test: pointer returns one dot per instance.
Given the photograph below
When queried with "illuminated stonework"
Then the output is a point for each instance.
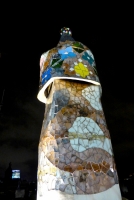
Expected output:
(75, 159)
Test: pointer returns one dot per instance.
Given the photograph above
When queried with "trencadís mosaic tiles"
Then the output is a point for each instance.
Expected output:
(75, 159)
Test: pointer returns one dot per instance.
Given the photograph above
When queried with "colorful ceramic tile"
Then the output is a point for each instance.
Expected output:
(89, 58)
(93, 94)
(81, 70)
(78, 47)
(66, 53)
(75, 158)
(46, 75)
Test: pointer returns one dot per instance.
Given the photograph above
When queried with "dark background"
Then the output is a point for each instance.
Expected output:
(27, 31)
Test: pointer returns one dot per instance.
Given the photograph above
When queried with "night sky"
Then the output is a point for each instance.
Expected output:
(26, 33)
